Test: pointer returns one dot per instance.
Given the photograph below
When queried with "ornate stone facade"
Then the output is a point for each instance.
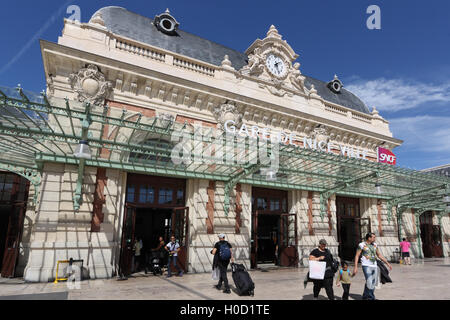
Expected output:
(150, 80)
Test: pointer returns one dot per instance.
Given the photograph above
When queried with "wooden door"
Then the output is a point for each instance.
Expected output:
(254, 241)
(288, 240)
(180, 229)
(127, 244)
(426, 233)
(13, 237)
(349, 226)
(436, 245)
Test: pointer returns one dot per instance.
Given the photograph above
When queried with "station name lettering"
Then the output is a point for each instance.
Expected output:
(284, 138)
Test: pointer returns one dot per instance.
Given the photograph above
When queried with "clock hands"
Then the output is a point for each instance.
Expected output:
(275, 65)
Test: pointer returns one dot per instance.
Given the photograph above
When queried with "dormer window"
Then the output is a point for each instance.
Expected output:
(335, 85)
(166, 23)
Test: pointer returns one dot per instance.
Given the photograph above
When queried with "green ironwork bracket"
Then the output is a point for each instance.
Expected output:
(417, 214)
(397, 200)
(31, 175)
(233, 181)
(324, 195)
(86, 122)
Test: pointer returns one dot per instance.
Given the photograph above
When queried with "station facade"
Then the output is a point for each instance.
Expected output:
(125, 83)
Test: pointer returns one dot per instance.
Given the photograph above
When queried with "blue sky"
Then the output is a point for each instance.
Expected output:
(403, 69)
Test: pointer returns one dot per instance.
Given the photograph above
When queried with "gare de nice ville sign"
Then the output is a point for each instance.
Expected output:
(245, 144)
(285, 138)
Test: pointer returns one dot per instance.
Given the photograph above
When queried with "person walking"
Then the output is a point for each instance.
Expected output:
(404, 248)
(223, 253)
(344, 277)
(173, 247)
(368, 250)
(323, 254)
(137, 254)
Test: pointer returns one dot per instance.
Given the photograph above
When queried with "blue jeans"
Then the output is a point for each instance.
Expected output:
(371, 275)
(174, 259)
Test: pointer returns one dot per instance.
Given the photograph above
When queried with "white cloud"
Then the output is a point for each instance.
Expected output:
(424, 133)
(398, 94)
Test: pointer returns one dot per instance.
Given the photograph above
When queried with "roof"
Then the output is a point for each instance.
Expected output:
(443, 170)
(122, 22)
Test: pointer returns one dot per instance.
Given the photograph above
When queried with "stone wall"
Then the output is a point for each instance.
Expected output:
(384, 229)
(445, 229)
(311, 227)
(60, 233)
(201, 242)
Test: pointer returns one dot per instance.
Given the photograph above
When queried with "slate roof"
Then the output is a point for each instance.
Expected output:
(441, 170)
(122, 22)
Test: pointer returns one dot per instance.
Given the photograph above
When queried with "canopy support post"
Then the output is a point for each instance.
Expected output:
(78, 197)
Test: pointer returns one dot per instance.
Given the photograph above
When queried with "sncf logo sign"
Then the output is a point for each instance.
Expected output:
(386, 156)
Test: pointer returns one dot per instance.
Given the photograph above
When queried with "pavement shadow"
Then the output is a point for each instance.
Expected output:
(355, 296)
(311, 297)
(321, 297)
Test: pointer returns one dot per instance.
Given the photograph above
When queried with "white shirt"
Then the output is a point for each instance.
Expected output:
(368, 254)
(173, 247)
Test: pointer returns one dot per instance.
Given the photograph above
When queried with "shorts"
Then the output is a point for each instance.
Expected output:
(405, 254)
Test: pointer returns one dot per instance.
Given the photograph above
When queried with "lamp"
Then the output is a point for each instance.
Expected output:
(447, 199)
(378, 186)
(82, 151)
(271, 175)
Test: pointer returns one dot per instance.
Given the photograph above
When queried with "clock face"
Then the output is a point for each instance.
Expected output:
(276, 65)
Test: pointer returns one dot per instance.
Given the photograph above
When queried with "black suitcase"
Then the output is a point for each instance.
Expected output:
(242, 280)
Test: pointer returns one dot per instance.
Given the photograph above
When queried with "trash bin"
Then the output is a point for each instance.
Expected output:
(396, 256)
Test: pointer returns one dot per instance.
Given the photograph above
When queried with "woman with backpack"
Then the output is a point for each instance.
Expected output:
(222, 255)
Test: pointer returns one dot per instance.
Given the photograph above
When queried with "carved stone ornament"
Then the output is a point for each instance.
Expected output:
(272, 51)
(225, 112)
(165, 119)
(97, 18)
(90, 85)
(320, 133)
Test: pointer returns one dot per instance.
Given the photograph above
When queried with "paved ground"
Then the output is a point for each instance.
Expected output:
(424, 280)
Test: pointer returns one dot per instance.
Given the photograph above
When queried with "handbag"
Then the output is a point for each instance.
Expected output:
(317, 269)
(215, 274)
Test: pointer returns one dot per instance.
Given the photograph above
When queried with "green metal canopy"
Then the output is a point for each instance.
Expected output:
(35, 129)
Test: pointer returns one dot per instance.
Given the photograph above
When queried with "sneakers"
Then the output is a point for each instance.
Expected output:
(218, 287)
(227, 291)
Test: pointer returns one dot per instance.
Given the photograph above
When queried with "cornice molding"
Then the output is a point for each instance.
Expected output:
(200, 101)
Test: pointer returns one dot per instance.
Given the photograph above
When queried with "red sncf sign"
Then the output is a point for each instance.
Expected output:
(386, 156)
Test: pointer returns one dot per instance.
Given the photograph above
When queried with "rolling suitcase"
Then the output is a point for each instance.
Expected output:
(242, 280)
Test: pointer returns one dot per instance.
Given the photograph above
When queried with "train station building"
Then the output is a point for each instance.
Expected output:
(147, 130)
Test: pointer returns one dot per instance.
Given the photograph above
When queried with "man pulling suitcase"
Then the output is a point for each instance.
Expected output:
(222, 255)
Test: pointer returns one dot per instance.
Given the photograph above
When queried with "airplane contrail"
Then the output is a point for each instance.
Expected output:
(36, 36)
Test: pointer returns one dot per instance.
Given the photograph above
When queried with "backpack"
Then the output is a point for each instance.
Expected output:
(342, 271)
(335, 266)
(224, 251)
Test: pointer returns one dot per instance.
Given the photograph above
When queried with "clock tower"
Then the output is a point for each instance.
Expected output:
(272, 62)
